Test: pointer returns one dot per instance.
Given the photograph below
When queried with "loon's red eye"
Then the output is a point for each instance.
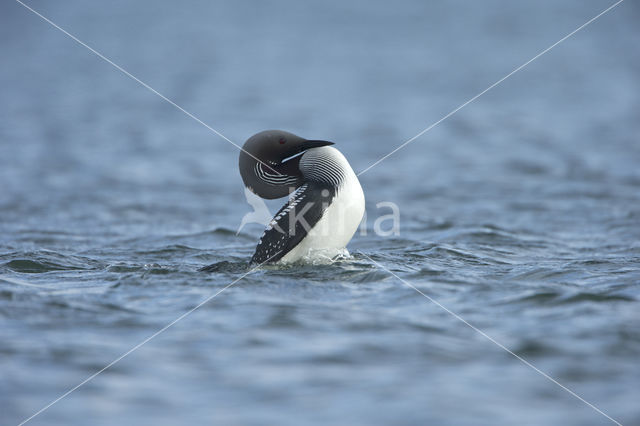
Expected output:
(282, 141)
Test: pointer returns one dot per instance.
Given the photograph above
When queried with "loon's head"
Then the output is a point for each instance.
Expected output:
(270, 162)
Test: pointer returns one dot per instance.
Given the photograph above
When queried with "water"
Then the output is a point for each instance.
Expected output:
(520, 213)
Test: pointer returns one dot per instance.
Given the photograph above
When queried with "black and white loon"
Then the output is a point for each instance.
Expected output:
(326, 202)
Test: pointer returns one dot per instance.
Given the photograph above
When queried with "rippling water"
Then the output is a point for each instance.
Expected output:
(521, 214)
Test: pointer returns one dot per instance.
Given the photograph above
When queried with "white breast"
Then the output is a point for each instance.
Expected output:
(342, 217)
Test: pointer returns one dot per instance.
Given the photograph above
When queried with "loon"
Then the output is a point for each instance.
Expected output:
(326, 202)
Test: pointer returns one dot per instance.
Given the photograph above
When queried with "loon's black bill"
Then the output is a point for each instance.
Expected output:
(305, 146)
(314, 144)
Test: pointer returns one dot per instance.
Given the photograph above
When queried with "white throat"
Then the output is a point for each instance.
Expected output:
(342, 215)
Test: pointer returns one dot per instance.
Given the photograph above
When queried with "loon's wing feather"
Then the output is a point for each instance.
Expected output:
(293, 221)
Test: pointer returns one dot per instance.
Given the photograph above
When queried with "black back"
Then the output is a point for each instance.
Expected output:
(293, 221)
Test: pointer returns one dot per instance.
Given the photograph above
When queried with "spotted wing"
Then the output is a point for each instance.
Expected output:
(293, 221)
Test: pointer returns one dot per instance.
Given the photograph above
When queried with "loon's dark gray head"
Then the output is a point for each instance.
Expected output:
(269, 162)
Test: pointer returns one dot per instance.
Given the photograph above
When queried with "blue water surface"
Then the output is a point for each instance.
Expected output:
(520, 213)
